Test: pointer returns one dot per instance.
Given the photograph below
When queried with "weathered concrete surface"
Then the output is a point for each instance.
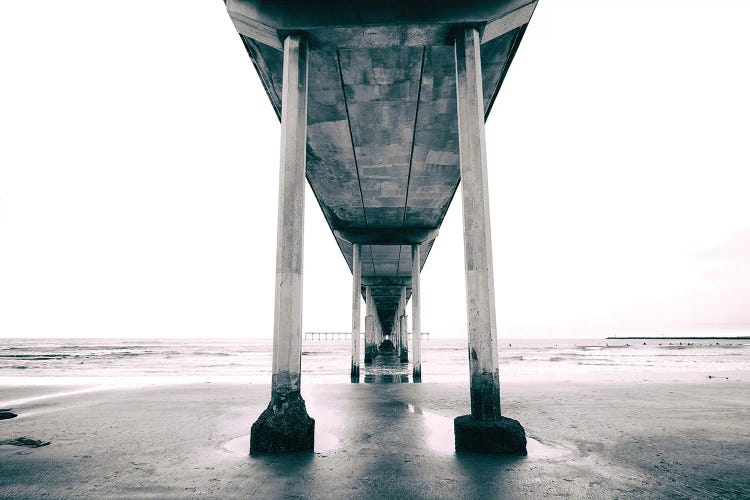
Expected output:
(480, 287)
(382, 138)
(371, 349)
(485, 430)
(385, 23)
(416, 313)
(404, 355)
(403, 334)
(504, 436)
(283, 427)
(356, 302)
(290, 235)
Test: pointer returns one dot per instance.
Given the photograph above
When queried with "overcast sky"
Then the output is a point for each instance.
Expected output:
(139, 177)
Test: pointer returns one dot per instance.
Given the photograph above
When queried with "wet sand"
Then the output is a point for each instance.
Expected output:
(655, 440)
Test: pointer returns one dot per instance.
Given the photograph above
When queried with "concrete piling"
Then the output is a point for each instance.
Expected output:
(356, 302)
(416, 336)
(371, 347)
(480, 293)
(403, 329)
(285, 425)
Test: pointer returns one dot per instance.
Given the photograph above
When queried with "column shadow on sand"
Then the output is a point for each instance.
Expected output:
(378, 442)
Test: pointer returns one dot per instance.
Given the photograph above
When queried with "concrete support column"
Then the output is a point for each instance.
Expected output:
(403, 329)
(416, 335)
(396, 331)
(371, 348)
(496, 434)
(284, 425)
(356, 301)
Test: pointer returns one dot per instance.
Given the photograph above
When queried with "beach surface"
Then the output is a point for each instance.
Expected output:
(631, 440)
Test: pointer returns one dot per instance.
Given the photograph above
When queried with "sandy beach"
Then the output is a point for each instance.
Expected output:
(636, 440)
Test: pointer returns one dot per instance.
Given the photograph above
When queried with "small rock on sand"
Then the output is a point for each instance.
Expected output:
(25, 441)
(6, 414)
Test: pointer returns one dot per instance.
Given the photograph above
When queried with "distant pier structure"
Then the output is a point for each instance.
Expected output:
(343, 335)
(382, 108)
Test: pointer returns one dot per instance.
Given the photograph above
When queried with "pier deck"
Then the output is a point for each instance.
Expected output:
(382, 128)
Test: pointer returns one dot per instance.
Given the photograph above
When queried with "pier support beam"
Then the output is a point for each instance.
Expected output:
(356, 301)
(416, 335)
(285, 426)
(485, 430)
(403, 337)
(371, 348)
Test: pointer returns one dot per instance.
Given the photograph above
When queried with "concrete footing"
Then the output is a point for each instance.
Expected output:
(504, 436)
(283, 427)
(371, 352)
(404, 356)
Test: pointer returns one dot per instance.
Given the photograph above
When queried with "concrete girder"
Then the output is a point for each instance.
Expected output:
(387, 235)
(382, 142)
(387, 23)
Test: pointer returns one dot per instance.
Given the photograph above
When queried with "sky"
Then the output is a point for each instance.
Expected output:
(139, 177)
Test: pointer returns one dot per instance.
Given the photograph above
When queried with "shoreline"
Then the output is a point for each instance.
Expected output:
(677, 338)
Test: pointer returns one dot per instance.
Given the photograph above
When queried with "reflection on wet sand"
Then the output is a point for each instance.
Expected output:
(387, 369)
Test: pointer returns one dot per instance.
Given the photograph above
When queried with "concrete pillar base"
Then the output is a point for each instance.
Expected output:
(355, 371)
(371, 352)
(404, 356)
(501, 437)
(283, 427)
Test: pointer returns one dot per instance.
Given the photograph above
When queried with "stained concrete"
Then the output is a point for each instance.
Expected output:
(283, 427)
(382, 137)
(356, 308)
(503, 436)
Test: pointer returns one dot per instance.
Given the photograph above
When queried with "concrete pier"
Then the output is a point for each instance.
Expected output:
(371, 346)
(416, 321)
(398, 94)
(285, 425)
(472, 432)
(403, 329)
(356, 302)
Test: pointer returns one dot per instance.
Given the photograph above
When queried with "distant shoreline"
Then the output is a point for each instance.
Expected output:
(677, 338)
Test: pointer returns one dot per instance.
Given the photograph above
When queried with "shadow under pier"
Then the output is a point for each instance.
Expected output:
(387, 368)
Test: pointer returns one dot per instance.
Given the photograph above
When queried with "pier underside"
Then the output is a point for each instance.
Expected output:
(382, 108)
(382, 130)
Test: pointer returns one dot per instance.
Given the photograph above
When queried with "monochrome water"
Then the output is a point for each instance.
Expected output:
(113, 361)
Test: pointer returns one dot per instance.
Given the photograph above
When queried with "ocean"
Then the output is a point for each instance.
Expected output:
(150, 361)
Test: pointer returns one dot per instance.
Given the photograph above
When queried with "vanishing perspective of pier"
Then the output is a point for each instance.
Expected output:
(344, 336)
(382, 108)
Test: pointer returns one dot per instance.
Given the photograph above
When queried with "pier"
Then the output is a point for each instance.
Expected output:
(343, 335)
(382, 109)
